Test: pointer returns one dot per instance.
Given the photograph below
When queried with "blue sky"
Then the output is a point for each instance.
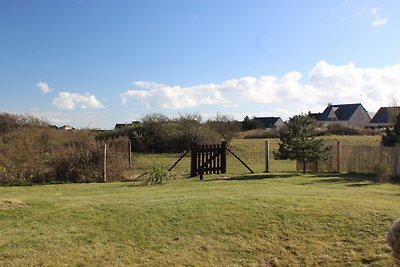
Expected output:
(96, 63)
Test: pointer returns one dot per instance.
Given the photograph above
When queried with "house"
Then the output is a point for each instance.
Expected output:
(67, 127)
(350, 115)
(269, 122)
(385, 117)
(123, 125)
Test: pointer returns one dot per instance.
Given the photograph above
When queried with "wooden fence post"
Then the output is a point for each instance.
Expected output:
(267, 156)
(339, 156)
(223, 157)
(105, 164)
(130, 154)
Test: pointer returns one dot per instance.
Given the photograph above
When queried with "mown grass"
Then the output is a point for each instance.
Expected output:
(255, 220)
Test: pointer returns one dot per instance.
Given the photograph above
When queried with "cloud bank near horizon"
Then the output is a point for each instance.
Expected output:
(291, 94)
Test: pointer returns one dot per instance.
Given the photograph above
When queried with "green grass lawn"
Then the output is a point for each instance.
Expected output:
(259, 220)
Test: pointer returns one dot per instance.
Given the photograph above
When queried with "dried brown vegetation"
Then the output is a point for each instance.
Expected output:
(32, 154)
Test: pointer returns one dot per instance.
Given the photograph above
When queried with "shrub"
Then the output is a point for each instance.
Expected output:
(338, 129)
(45, 155)
(383, 172)
(9, 122)
(160, 134)
(260, 133)
(156, 175)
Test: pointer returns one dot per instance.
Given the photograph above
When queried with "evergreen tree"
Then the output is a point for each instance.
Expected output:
(392, 135)
(299, 142)
(249, 124)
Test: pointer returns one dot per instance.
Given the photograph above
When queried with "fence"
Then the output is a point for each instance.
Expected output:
(357, 158)
(258, 154)
(207, 159)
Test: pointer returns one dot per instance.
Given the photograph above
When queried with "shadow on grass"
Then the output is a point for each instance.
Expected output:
(253, 177)
(352, 179)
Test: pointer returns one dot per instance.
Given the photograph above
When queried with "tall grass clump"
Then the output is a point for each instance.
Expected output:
(156, 175)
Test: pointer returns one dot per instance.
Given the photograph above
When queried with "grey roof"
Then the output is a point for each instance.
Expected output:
(123, 125)
(386, 115)
(314, 115)
(267, 122)
(343, 112)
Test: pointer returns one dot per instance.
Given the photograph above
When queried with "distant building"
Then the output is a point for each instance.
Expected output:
(67, 127)
(124, 125)
(350, 115)
(385, 117)
(269, 122)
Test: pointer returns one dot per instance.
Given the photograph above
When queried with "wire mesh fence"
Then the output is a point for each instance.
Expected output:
(251, 151)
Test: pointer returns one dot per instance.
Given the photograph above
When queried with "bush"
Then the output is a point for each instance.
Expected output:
(261, 133)
(156, 175)
(383, 172)
(160, 134)
(338, 129)
(46, 155)
(9, 122)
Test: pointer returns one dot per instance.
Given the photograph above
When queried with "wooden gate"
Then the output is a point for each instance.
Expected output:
(207, 159)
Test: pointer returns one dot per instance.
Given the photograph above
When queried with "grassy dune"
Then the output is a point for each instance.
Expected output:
(258, 220)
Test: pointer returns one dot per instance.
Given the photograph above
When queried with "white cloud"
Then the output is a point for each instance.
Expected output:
(145, 84)
(288, 95)
(70, 101)
(374, 11)
(379, 22)
(377, 19)
(44, 87)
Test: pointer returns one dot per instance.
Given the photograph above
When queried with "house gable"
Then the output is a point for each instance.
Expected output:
(353, 115)
(386, 116)
(269, 122)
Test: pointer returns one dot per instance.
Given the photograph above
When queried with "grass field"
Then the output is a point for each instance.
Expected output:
(259, 220)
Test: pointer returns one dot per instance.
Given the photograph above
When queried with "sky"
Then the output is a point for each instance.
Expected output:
(94, 63)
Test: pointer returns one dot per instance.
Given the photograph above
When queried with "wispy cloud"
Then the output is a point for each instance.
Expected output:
(288, 94)
(378, 20)
(44, 87)
(70, 101)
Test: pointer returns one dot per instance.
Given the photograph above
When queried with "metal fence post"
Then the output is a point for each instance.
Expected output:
(130, 154)
(105, 164)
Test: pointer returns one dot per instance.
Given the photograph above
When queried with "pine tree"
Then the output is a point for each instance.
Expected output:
(299, 142)
(392, 135)
(249, 124)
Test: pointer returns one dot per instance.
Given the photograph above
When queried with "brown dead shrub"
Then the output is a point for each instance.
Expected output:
(44, 155)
